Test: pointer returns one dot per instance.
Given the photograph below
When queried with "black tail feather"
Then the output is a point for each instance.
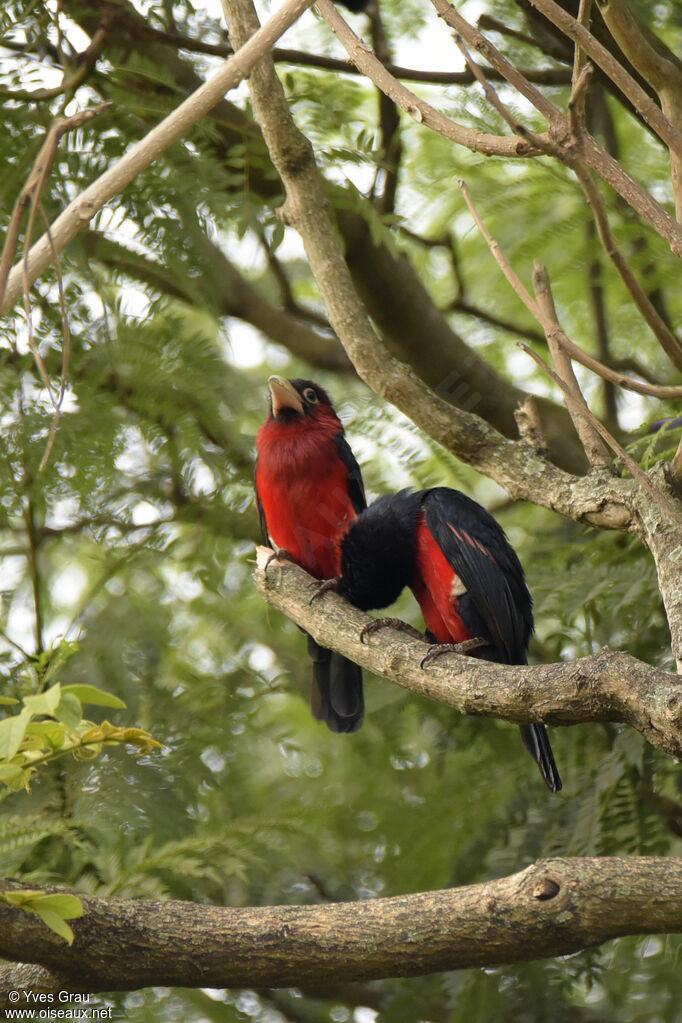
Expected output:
(337, 689)
(537, 743)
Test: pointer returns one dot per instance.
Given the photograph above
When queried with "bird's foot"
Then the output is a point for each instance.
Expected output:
(280, 555)
(320, 589)
(389, 623)
(465, 647)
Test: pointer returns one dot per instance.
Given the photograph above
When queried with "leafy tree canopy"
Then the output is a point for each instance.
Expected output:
(127, 528)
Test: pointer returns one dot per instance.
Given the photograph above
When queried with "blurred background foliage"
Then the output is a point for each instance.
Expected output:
(136, 542)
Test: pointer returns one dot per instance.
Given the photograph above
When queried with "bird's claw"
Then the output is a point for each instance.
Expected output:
(280, 555)
(437, 649)
(391, 623)
(324, 587)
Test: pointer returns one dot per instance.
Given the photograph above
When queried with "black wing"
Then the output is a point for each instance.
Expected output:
(497, 602)
(356, 489)
(265, 536)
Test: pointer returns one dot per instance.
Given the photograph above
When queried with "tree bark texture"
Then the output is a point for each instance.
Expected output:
(554, 907)
(606, 686)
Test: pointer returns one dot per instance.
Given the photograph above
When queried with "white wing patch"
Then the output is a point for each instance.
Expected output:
(457, 588)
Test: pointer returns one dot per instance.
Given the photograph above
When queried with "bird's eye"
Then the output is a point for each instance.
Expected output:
(310, 396)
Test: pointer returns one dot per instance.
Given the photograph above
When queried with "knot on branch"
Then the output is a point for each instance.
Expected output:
(546, 888)
(673, 707)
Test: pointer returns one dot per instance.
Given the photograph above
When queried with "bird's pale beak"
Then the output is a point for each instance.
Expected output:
(283, 394)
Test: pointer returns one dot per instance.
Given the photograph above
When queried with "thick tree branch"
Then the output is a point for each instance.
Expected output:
(607, 686)
(224, 288)
(554, 907)
(514, 465)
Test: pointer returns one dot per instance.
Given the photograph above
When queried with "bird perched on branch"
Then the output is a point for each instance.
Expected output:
(464, 573)
(308, 490)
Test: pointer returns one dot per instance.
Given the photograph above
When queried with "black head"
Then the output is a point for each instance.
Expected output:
(354, 5)
(378, 553)
(290, 399)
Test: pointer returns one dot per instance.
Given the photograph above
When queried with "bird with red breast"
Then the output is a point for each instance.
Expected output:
(309, 490)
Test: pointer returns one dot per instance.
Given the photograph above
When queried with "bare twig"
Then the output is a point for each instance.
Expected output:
(554, 142)
(661, 498)
(666, 338)
(595, 287)
(501, 260)
(597, 454)
(655, 390)
(663, 391)
(576, 105)
(658, 65)
(36, 181)
(668, 341)
(643, 103)
(86, 61)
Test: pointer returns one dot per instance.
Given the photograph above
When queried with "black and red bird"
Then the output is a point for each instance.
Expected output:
(463, 571)
(309, 489)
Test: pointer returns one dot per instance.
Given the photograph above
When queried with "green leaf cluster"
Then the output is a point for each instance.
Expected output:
(51, 724)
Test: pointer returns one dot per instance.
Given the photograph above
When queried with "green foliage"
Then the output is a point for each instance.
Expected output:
(51, 725)
(53, 910)
(126, 562)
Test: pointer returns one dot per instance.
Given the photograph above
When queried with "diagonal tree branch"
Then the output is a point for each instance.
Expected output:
(223, 287)
(420, 110)
(554, 907)
(589, 437)
(606, 686)
(643, 103)
(555, 141)
(514, 465)
(658, 65)
(80, 212)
